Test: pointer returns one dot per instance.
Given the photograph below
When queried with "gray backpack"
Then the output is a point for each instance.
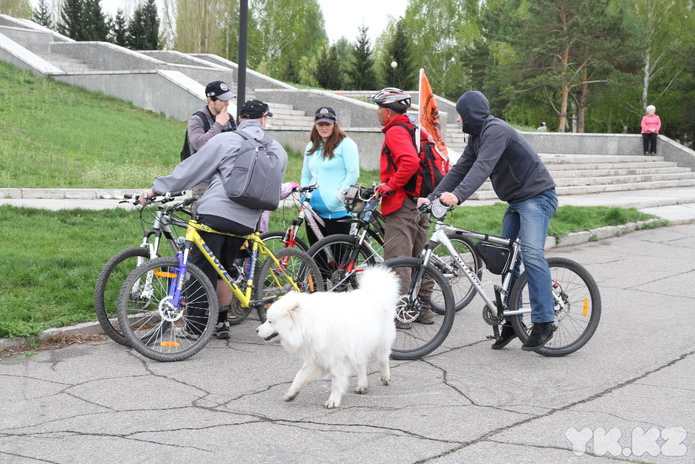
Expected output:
(255, 180)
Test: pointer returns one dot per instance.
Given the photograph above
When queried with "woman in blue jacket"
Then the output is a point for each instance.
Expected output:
(331, 162)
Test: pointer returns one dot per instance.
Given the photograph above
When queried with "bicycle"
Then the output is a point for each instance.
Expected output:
(339, 256)
(576, 295)
(117, 268)
(364, 246)
(289, 238)
(174, 316)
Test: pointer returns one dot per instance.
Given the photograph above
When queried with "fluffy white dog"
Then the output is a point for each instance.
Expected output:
(337, 333)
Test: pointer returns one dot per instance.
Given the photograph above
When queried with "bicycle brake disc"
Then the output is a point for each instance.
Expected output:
(406, 310)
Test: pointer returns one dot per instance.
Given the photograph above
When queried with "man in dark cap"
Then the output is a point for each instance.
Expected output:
(215, 161)
(498, 151)
(213, 119)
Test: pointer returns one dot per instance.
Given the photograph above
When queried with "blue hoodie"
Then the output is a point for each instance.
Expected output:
(495, 150)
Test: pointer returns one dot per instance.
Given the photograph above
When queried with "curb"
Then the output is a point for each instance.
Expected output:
(577, 238)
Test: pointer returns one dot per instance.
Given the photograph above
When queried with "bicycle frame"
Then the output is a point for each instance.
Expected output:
(257, 248)
(306, 213)
(161, 226)
(439, 237)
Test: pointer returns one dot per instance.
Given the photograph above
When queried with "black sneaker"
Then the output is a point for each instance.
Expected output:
(222, 330)
(506, 336)
(541, 333)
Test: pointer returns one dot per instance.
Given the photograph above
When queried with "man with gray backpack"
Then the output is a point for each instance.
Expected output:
(245, 168)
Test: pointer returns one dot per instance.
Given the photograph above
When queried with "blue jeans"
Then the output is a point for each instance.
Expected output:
(529, 220)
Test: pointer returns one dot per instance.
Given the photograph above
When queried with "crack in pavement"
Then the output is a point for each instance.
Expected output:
(486, 436)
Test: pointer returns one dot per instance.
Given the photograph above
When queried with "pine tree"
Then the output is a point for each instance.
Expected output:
(361, 71)
(327, 72)
(42, 15)
(96, 24)
(119, 29)
(72, 20)
(143, 31)
(404, 76)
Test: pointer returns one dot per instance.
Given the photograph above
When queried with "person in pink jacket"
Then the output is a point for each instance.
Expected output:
(651, 123)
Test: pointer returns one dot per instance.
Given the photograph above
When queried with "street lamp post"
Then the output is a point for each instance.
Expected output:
(394, 65)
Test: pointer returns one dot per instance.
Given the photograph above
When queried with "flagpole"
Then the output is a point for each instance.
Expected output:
(419, 108)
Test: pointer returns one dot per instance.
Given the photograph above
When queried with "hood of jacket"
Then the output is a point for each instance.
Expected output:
(473, 108)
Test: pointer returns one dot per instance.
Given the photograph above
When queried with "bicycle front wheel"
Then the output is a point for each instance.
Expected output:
(108, 286)
(276, 241)
(295, 271)
(338, 257)
(577, 307)
(416, 339)
(153, 325)
(461, 287)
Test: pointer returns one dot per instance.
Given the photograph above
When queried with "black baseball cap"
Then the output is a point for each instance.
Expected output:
(254, 109)
(325, 114)
(219, 90)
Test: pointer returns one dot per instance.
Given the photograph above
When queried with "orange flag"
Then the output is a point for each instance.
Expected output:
(428, 115)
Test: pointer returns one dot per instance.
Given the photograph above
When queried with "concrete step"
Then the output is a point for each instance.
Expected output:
(284, 122)
(589, 159)
(612, 180)
(288, 113)
(66, 63)
(602, 166)
(487, 194)
(619, 171)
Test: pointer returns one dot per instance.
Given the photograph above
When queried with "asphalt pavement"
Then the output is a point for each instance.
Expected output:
(627, 396)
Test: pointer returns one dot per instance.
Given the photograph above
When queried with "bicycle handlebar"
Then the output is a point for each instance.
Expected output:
(165, 198)
(308, 188)
(436, 208)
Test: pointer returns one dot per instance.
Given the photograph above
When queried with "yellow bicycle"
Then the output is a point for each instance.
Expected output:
(167, 307)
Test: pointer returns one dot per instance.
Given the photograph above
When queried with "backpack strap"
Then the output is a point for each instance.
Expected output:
(204, 119)
(265, 141)
(392, 163)
(387, 151)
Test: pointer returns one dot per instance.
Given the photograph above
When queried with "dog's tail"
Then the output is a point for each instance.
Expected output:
(382, 285)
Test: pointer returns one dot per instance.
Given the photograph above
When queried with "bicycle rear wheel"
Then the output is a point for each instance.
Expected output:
(338, 257)
(415, 339)
(108, 286)
(296, 269)
(461, 287)
(577, 307)
(156, 328)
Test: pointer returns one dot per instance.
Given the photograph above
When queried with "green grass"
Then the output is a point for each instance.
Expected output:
(54, 135)
(51, 259)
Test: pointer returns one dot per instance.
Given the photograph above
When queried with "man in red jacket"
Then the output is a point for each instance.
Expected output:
(405, 228)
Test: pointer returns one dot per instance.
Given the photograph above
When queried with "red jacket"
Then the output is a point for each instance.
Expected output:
(406, 160)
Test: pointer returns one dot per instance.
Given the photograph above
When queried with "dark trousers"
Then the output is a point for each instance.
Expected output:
(331, 227)
(226, 249)
(649, 142)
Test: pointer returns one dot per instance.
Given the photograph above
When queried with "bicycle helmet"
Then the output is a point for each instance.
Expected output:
(393, 99)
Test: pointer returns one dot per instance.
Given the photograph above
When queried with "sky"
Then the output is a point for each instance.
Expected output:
(342, 17)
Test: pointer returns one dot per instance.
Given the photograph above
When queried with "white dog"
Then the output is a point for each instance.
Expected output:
(337, 333)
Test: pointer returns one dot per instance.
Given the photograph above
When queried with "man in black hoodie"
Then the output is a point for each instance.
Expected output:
(498, 151)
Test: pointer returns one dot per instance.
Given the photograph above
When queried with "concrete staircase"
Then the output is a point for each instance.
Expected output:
(285, 116)
(592, 174)
(172, 83)
(455, 139)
